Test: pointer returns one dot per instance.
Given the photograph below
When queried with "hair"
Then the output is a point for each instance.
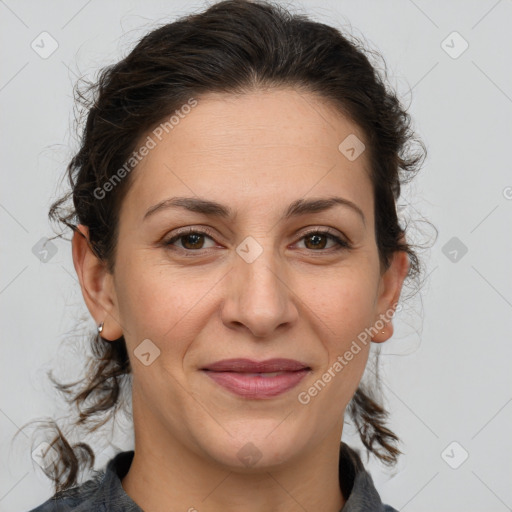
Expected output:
(232, 47)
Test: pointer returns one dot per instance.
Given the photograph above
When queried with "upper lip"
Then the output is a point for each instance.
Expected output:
(250, 366)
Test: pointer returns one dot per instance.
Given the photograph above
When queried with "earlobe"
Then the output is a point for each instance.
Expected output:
(96, 284)
(390, 288)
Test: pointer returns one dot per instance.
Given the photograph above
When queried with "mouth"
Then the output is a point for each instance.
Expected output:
(257, 380)
(249, 366)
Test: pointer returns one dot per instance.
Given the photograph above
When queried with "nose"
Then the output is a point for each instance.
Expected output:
(258, 297)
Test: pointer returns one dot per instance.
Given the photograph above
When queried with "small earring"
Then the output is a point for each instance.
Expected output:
(100, 328)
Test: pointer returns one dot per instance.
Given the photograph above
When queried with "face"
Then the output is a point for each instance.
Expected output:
(254, 278)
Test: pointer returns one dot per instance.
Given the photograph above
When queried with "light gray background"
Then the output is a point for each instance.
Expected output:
(447, 369)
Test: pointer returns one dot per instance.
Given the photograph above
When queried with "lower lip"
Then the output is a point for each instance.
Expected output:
(254, 386)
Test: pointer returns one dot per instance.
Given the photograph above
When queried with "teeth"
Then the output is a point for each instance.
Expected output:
(274, 374)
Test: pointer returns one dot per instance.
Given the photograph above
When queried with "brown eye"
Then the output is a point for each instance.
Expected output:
(317, 241)
(191, 240)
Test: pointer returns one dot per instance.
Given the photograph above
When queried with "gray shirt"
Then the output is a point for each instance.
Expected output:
(104, 491)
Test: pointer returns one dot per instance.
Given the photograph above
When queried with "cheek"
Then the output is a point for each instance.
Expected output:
(344, 302)
(344, 306)
(346, 313)
(158, 302)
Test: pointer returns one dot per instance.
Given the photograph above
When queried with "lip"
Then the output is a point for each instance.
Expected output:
(239, 376)
(250, 366)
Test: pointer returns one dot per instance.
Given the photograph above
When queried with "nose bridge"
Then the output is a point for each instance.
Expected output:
(261, 286)
(259, 298)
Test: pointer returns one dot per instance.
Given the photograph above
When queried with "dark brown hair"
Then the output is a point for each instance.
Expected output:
(233, 47)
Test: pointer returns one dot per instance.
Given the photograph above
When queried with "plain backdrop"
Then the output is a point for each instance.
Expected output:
(446, 372)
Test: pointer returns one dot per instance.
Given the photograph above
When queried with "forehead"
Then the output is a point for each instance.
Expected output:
(257, 149)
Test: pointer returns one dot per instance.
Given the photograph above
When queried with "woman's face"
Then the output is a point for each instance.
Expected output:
(257, 286)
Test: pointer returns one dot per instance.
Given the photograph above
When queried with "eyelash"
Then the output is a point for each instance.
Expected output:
(342, 244)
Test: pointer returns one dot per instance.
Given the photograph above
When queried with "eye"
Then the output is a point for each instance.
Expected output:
(191, 239)
(317, 240)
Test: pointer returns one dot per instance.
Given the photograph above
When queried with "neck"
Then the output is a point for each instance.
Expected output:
(167, 475)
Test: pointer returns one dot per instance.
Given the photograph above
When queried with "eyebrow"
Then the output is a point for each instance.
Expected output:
(215, 209)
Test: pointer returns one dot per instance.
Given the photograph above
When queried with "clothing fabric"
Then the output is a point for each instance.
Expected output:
(104, 492)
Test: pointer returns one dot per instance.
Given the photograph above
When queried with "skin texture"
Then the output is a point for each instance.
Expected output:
(255, 153)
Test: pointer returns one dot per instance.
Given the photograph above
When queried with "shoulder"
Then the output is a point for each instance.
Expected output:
(363, 495)
(74, 498)
(102, 493)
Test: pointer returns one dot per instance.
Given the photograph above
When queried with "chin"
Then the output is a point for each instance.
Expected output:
(257, 448)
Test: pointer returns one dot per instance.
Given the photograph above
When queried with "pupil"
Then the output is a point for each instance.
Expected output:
(195, 238)
(316, 238)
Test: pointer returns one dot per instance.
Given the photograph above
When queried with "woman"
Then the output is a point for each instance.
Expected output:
(237, 243)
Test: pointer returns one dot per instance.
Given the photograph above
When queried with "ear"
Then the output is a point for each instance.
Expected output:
(390, 287)
(97, 284)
